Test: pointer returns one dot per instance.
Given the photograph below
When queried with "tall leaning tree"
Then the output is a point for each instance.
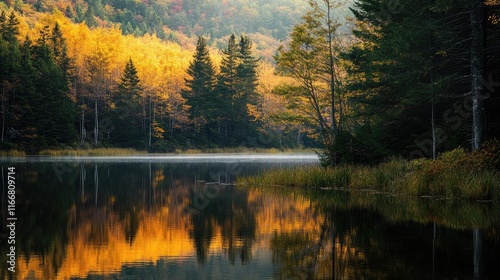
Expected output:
(311, 60)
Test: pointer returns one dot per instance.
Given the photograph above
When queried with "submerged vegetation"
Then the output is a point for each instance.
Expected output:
(456, 174)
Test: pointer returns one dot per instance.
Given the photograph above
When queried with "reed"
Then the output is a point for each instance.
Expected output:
(242, 150)
(92, 152)
(12, 153)
(454, 175)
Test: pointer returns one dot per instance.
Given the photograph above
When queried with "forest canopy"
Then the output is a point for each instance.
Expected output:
(364, 79)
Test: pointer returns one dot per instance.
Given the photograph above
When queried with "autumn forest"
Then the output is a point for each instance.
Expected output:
(365, 79)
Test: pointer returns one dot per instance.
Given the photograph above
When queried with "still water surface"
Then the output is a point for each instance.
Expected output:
(183, 218)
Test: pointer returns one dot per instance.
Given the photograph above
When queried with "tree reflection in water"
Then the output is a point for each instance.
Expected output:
(356, 242)
(109, 220)
(228, 213)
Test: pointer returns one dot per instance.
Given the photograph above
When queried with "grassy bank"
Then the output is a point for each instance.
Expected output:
(12, 153)
(456, 174)
(243, 150)
(92, 152)
(126, 151)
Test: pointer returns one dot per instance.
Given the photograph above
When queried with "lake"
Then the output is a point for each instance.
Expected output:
(183, 217)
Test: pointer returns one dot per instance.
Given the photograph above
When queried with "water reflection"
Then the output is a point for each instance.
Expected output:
(149, 220)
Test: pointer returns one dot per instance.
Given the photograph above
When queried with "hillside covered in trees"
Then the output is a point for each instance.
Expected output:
(98, 87)
(181, 21)
(398, 78)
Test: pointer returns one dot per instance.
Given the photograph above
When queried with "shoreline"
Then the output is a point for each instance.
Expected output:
(455, 174)
(133, 152)
(159, 158)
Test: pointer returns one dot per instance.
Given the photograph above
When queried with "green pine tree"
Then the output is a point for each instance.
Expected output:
(10, 77)
(23, 125)
(127, 112)
(199, 92)
(246, 73)
(51, 104)
(229, 108)
(89, 17)
(9, 27)
(59, 49)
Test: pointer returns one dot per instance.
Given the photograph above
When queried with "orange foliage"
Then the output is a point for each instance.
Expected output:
(161, 65)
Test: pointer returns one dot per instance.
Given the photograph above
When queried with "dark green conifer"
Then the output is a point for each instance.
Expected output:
(199, 92)
(127, 112)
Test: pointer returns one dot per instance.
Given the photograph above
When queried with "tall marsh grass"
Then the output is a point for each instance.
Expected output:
(12, 153)
(456, 174)
(242, 150)
(92, 152)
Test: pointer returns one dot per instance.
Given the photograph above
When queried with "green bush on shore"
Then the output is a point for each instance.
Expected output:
(455, 174)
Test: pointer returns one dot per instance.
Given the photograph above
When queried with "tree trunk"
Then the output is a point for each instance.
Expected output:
(477, 71)
(151, 121)
(172, 123)
(96, 124)
(226, 128)
(331, 64)
(144, 115)
(82, 128)
(299, 137)
(433, 105)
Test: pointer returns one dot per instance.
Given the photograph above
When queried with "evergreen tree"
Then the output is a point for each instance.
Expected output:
(199, 92)
(9, 27)
(227, 89)
(127, 114)
(54, 108)
(23, 127)
(38, 5)
(392, 96)
(89, 17)
(97, 8)
(246, 73)
(68, 12)
(247, 69)
(80, 12)
(413, 71)
(9, 68)
(127, 28)
(59, 51)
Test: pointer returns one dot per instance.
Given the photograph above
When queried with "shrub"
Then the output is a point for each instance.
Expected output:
(488, 157)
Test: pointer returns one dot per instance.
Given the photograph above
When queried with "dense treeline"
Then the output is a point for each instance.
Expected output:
(223, 106)
(414, 79)
(411, 80)
(36, 110)
(76, 86)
